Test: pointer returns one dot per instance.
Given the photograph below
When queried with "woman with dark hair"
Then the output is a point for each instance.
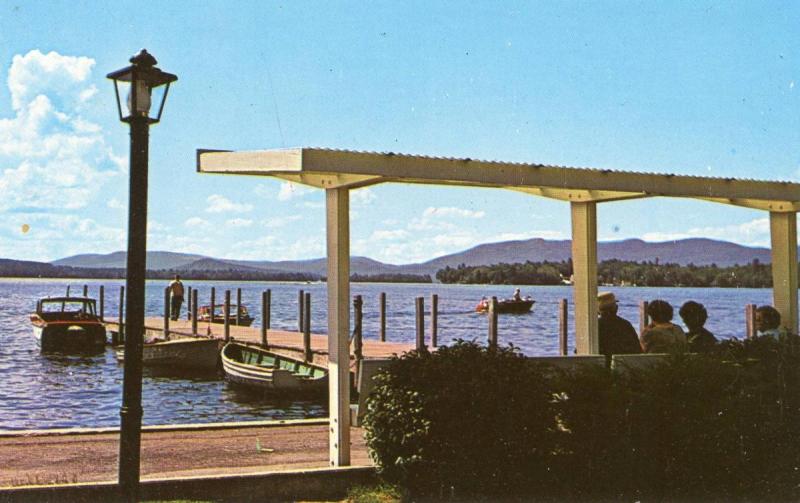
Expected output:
(694, 316)
(661, 335)
(768, 322)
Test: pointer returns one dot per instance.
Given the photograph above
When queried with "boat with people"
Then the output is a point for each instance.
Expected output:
(256, 367)
(68, 324)
(507, 306)
(197, 353)
(244, 319)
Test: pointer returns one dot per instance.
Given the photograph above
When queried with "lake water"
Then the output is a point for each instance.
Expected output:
(58, 391)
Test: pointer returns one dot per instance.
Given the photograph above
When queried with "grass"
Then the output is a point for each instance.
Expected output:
(382, 493)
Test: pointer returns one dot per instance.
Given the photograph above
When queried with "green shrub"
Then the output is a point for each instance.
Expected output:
(460, 421)
(468, 420)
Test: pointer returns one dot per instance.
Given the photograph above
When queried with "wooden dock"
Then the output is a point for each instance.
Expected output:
(280, 340)
(79, 456)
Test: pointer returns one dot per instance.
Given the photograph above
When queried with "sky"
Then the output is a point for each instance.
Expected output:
(700, 88)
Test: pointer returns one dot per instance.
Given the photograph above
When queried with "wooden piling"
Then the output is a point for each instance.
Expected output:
(265, 315)
(227, 315)
(213, 301)
(102, 302)
(750, 320)
(420, 305)
(238, 307)
(194, 311)
(434, 320)
(300, 310)
(644, 319)
(121, 314)
(563, 313)
(85, 290)
(493, 323)
(189, 303)
(383, 317)
(307, 328)
(167, 313)
(358, 341)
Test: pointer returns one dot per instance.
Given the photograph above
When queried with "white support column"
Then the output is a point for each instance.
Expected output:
(338, 237)
(783, 233)
(584, 267)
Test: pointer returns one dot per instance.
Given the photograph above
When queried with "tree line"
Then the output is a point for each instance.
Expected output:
(614, 272)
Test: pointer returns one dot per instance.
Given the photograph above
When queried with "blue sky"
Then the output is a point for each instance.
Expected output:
(676, 87)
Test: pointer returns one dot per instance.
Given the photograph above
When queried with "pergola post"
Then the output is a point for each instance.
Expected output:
(584, 269)
(783, 233)
(338, 244)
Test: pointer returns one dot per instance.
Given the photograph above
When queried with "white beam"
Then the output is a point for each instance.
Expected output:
(584, 268)
(783, 233)
(338, 243)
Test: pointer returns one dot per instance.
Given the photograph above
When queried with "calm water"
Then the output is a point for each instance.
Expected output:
(57, 391)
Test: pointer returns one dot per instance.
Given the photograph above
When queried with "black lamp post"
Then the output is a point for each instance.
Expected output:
(142, 77)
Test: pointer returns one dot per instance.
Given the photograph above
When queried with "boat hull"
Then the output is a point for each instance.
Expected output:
(199, 354)
(508, 306)
(264, 370)
(70, 336)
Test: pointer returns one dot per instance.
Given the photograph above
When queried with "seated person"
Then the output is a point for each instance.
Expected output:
(517, 296)
(616, 335)
(661, 335)
(768, 322)
(694, 316)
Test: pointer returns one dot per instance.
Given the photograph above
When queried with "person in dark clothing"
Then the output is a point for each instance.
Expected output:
(694, 316)
(616, 334)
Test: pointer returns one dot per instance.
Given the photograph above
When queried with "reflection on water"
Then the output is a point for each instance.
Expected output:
(62, 390)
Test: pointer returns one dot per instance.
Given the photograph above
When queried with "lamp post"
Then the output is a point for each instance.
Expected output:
(142, 77)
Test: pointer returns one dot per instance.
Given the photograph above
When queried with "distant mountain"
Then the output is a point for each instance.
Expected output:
(698, 251)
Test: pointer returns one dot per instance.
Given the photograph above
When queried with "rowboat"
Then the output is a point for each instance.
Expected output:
(68, 324)
(256, 367)
(507, 306)
(204, 314)
(186, 353)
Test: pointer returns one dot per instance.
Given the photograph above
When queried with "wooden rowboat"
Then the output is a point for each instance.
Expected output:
(187, 353)
(204, 315)
(256, 367)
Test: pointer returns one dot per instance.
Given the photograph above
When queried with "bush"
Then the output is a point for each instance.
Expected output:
(468, 420)
(463, 420)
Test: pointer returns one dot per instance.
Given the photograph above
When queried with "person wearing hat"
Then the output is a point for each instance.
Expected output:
(616, 335)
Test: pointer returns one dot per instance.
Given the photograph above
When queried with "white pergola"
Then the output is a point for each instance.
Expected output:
(338, 171)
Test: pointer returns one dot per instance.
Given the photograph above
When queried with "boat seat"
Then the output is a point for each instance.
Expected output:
(267, 361)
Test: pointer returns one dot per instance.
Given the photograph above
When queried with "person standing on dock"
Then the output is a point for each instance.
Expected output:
(616, 335)
(176, 297)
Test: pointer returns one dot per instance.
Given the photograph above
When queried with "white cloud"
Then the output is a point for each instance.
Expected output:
(194, 222)
(239, 222)
(450, 212)
(275, 222)
(441, 219)
(221, 204)
(752, 233)
(291, 190)
(115, 204)
(51, 158)
(387, 235)
(362, 197)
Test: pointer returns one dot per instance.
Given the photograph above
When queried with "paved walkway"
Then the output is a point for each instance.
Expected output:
(39, 458)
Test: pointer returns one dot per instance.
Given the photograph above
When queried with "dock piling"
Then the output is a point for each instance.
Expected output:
(85, 290)
(300, 310)
(121, 336)
(420, 305)
(383, 317)
(167, 314)
(227, 315)
(102, 303)
(358, 341)
(194, 311)
(434, 320)
(750, 320)
(307, 355)
(238, 306)
(189, 303)
(212, 307)
(265, 315)
(644, 319)
(563, 313)
(493, 323)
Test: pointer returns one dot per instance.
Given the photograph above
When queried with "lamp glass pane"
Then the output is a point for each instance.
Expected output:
(142, 91)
